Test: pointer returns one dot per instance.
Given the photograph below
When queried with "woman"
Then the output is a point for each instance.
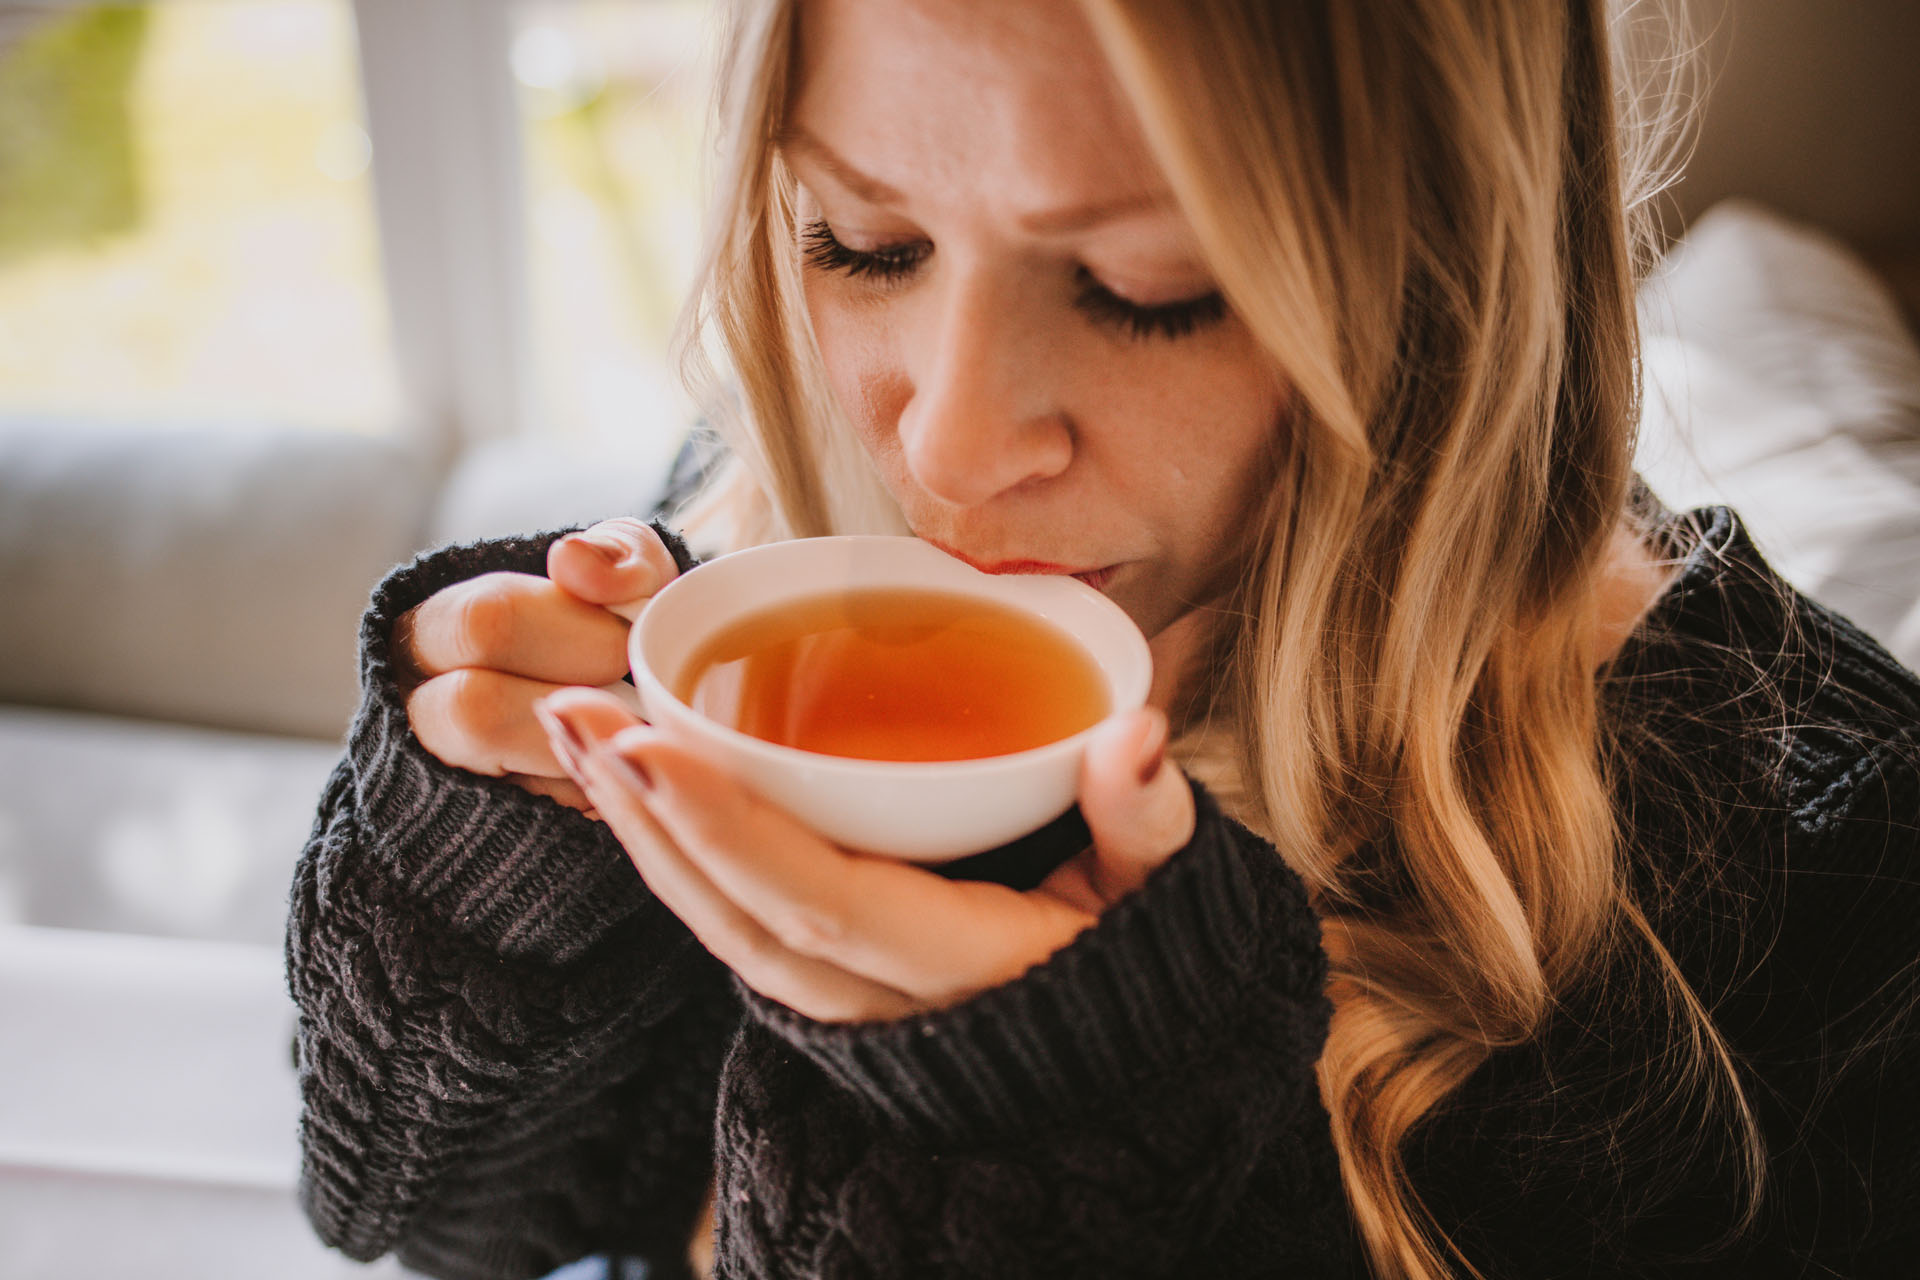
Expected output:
(1549, 906)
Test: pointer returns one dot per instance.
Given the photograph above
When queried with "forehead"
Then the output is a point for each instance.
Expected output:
(1009, 100)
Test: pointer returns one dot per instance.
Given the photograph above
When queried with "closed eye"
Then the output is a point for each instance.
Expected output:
(1164, 320)
(823, 251)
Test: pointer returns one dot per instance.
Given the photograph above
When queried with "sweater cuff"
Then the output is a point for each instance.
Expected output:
(518, 872)
(1140, 993)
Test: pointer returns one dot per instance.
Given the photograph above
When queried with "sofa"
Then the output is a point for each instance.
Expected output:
(177, 670)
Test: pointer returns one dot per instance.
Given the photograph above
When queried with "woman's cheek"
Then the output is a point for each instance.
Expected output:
(868, 380)
(830, 338)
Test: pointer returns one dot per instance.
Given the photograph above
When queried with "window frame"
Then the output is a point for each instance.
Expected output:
(450, 204)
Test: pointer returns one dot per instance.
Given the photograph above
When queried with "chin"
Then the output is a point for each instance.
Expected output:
(1152, 617)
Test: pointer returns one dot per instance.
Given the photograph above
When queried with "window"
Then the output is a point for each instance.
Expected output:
(612, 99)
(189, 231)
(469, 218)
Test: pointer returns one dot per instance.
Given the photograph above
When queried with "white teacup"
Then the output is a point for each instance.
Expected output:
(923, 812)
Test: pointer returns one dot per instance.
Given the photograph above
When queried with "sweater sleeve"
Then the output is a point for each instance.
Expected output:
(1835, 1084)
(508, 1050)
(1143, 1103)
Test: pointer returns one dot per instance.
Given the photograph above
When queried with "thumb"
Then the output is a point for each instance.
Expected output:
(1136, 803)
(615, 562)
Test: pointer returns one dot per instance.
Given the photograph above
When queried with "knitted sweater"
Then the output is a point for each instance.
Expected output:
(511, 1055)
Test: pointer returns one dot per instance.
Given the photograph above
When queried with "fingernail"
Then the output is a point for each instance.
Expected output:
(567, 743)
(610, 549)
(1153, 752)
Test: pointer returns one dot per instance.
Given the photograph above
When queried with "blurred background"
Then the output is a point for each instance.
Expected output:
(289, 290)
(200, 225)
(292, 289)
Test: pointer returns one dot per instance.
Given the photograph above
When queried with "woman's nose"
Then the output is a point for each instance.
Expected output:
(985, 414)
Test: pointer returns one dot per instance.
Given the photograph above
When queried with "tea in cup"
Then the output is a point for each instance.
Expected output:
(895, 699)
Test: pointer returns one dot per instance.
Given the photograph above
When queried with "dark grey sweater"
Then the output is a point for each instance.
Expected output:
(511, 1055)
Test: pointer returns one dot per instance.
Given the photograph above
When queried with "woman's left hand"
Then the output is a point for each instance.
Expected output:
(840, 936)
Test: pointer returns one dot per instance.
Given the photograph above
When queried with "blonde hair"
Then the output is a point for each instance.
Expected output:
(1418, 210)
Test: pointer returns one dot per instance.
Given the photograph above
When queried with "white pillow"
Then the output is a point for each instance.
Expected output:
(1782, 381)
(522, 485)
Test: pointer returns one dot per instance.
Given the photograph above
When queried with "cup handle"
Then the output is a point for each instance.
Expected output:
(628, 695)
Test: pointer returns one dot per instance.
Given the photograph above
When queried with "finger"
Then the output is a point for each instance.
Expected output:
(1072, 883)
(580, 720)
(517, 623)
(1137, 804)
(614, 562)
(576, 718)
(813, 987)
(892, 922)
(483, 721)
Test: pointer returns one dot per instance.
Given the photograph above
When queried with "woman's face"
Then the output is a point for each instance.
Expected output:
(1012, 311)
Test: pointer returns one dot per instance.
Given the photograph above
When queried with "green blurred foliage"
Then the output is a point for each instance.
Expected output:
(67, 163)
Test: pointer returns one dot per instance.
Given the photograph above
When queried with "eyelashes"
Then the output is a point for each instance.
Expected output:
(1168, 320)
(822, 250)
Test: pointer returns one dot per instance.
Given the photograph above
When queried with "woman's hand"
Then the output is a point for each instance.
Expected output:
(841, 936)
(473, 658)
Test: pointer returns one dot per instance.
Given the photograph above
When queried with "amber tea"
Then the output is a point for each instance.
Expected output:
(888, 674)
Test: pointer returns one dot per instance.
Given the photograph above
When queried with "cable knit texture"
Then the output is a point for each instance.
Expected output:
(511, 1055)
(1107, 1114)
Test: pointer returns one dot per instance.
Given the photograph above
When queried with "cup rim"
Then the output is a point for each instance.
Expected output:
(1126, 687)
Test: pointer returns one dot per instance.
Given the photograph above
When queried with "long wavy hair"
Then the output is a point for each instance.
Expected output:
(1424, 213)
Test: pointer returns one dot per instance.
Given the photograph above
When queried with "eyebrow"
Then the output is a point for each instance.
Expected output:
(1068, 218)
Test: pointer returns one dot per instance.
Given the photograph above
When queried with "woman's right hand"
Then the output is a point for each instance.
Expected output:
(474, 657)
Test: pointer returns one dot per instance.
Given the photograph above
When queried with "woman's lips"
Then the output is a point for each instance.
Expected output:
(1095, 578)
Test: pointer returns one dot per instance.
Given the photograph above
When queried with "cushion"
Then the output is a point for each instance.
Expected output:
(1782, 381)
(204, 574)
(113, 824)
(516, 486)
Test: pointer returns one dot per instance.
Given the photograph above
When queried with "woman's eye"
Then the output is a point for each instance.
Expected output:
(822, 249)
(1164, 320)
